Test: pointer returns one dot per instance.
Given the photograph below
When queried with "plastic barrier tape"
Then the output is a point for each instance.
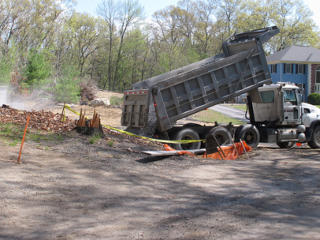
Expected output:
(138, 136)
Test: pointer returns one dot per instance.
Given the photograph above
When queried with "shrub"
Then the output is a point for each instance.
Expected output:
(38, 68)
(116, 101)
(87, 91)
(95, 138)
(314, 98)
(67, 88)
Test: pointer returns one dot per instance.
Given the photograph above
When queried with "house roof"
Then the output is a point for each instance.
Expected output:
(297, 54)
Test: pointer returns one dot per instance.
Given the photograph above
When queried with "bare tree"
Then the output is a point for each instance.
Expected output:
(121, 15)
(109, 11)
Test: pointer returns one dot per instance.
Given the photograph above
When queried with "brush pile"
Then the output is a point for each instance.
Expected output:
(40, 120)
(87, 92)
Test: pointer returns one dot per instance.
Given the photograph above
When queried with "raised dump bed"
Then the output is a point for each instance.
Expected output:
(157, 103)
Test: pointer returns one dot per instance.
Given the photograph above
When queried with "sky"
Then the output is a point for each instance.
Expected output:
(150, 6)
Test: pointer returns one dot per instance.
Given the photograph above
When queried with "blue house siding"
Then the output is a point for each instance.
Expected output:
(297, 78)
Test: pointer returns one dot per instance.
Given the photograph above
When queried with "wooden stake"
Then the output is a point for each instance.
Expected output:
(244, 149)
(219, 148)
(63, 113)
(24, 135)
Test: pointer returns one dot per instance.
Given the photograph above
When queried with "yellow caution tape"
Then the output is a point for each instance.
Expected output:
(138, 136)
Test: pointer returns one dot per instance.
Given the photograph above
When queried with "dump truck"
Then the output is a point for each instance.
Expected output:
(153, 106)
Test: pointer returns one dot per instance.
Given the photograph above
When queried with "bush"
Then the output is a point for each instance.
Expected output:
(314, 98)
(87, 91)
(38, 68)
(67, 88)
(116, 101)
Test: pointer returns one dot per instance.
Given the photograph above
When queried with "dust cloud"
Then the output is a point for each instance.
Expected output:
(37, 100)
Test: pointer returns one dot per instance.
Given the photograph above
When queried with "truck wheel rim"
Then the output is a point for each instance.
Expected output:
(187, 146)
(249, 137)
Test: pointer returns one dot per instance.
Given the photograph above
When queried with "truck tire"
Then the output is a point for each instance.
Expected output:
(315, 137)
(250, 134)
(285, 144)
(187, 134)
(217, 136)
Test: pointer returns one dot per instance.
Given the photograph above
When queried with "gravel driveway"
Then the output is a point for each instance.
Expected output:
(76, 190)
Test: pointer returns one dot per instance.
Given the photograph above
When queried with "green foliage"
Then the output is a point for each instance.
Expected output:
(12, 134)
(314, 98)
(116, 101)
(115, 51)
(37, 137)
(38, 68)
(110, 143)
(95, 138)
(5, 70)
(7, 63)
(67, 88)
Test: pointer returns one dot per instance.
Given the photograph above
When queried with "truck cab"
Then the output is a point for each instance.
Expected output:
(280, 116)
(278, 104)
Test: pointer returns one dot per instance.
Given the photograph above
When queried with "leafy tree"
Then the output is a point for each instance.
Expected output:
(82, 29)
(116, 51)
(295, 23)
(67, 87)
(7, 65)
(121, 15)
(37, 69)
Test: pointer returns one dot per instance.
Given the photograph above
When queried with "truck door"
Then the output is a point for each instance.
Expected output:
(291, 107)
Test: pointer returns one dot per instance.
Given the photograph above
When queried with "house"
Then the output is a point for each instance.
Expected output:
(299, 65)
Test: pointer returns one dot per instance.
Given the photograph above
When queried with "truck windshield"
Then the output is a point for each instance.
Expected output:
(267, 96)
(290, 96)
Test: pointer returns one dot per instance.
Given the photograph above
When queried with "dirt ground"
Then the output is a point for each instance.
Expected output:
(71, 189)
(109, 115)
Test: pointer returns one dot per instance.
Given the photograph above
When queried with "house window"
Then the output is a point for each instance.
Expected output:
(317, 85)
(287, 68)
(318, 75)
(300, 68)
(273, 68)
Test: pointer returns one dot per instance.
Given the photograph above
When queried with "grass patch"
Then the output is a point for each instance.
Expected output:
(110, 143)
(116, 101)
(95, 138)
(213, 116)
(242, 107)
(38, 137)
(12, 135)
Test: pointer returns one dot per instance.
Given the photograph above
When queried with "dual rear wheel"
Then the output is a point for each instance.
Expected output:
(220, 136)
